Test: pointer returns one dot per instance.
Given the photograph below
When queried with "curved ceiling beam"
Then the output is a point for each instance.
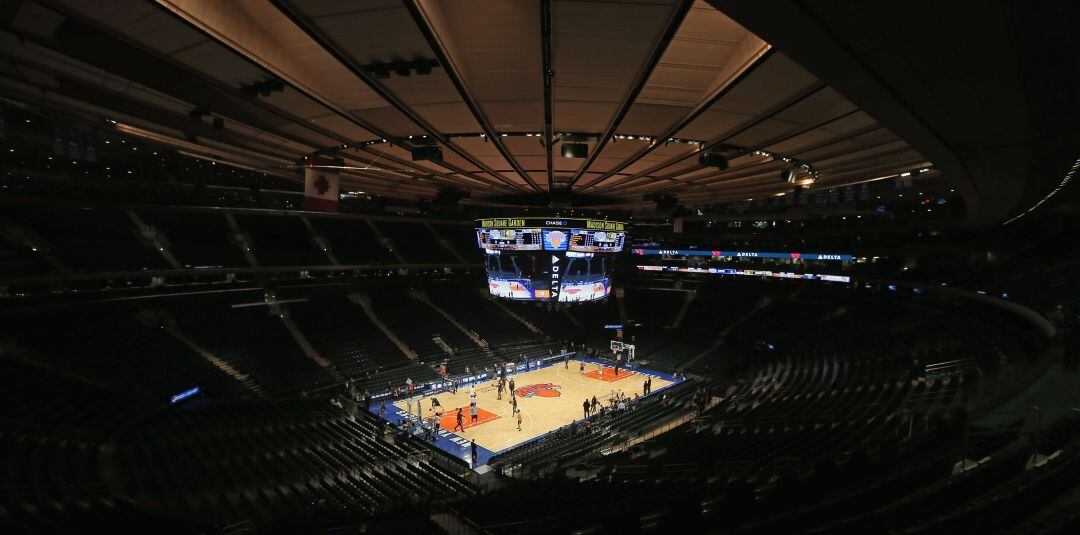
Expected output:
(753, 172)
(746, 150)
(787, 104)
(824, 53)
(677, 17)
(88, 42)
(795, 155)
(335, 51)
(424, 24)
(220, 93)
(545, 45)
(185, 11)
(758, 52)
(228, 24)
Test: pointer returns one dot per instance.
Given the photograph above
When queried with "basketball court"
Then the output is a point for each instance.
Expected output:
(549, 398)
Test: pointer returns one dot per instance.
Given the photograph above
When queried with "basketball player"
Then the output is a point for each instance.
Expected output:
(460, 421)
(511, 384)
(513, 403)
(473, 411)
(436, 407)
(581, 369)
(499, 389)
(519, 420)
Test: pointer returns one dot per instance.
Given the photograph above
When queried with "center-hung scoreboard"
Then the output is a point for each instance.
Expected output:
(549, 259)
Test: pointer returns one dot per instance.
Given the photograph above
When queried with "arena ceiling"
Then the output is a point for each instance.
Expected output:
(499, 86)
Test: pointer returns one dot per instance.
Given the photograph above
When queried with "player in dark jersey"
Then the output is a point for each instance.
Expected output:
(460, 421)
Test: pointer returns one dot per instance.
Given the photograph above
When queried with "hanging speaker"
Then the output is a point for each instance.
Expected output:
(427, 152)
(575, 150)
(712, 159)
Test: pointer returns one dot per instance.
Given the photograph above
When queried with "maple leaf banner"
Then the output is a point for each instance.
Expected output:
(321, 181)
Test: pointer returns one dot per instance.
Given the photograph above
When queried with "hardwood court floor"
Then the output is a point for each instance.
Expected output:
(548, 398)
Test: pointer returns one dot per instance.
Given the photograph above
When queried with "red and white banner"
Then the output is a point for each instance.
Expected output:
(321, 180)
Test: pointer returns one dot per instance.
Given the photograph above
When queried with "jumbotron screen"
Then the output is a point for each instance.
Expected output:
(549, 259)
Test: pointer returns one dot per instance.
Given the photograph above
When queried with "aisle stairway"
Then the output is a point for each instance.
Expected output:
(365, 303)
(164, 321)
(423, 298)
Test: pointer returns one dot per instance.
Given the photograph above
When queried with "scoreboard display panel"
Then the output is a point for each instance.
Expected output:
(596, 241)
(525, 239)
(550, 259)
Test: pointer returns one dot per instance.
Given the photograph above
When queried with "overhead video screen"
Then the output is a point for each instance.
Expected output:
(596, 241)
(550, 259)
(523, 239)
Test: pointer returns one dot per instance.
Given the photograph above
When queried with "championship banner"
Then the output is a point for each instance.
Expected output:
(322, 177)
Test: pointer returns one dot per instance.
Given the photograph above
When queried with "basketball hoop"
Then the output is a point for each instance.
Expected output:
(619, 345)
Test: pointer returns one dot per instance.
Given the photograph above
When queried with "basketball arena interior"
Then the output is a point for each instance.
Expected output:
(471, 267)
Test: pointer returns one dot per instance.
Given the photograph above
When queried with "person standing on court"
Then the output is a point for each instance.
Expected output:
(511, 386)
(585, 405)
(645, 388)
(513, 403)
(519, 420)
(581, 368)
(472, 446)
(473, 411)
(460, 421)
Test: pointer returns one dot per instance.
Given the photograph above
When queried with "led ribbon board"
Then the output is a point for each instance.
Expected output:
(748, 272)
(744, 254)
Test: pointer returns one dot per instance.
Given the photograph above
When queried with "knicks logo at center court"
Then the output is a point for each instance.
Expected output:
(544, 390)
